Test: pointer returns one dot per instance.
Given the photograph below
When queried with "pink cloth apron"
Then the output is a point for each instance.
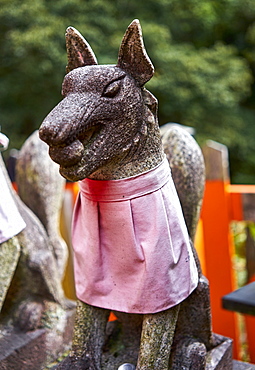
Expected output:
(11, 223)
(131, 245)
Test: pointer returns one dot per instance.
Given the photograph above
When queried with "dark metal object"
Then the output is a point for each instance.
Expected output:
(241, 300)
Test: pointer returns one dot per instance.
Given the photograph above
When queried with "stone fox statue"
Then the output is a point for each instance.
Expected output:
(132, 252)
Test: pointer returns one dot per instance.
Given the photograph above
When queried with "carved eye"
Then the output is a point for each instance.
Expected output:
(112, 89)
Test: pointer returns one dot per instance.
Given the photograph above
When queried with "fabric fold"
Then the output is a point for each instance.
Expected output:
(11, 222)
(131, 246)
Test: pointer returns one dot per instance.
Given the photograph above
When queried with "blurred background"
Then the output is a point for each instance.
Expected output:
(203, 52)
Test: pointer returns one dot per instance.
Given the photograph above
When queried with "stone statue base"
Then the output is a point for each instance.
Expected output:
(35, 349)
(237, 365)
(219, 358)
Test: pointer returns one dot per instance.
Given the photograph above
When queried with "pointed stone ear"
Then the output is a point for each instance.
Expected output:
(79, 52)
(132, 55)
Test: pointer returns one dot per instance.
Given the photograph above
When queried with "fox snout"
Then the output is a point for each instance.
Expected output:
(58, 131)
(59, 127)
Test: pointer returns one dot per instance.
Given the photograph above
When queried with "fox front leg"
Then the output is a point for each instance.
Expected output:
(88, 338)
(156, 339)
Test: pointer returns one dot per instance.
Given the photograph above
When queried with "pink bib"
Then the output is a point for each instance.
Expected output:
(11, 222)
(131, 246)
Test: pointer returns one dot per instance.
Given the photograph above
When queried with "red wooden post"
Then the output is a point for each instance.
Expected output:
(218, 242)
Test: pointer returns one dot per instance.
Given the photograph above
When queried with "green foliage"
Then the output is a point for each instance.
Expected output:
(203, 53)
(239, 261)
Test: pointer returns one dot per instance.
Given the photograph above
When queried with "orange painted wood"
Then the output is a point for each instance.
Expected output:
(199, 245)
(241, 189)
(236, 206)
(15, 186)
(74, 187)
(112, 317)
(218, 252)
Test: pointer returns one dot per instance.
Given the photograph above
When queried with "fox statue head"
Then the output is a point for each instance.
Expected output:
(106, 112)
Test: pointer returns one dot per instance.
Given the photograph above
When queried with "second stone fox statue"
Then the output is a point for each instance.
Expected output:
(132, 251)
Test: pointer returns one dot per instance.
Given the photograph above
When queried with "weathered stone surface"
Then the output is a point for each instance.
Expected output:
(188, 171)
(41, 188)
(35, 349)
(87, 137)
(31, 292)
(237, 365)
(106, 128)
(220, 357)
(36, 277)
(22, 350)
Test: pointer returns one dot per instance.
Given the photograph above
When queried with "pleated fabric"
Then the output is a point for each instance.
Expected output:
(131, 246)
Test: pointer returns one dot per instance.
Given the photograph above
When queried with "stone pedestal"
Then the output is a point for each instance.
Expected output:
(220, 357)
(237, 365)
(36, 349)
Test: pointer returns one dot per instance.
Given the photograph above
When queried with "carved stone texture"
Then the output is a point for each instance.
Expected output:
(41, 188)
(33, 296)
(34, 350)
(87, 135)
(237, 365)
(106, 128)
(188, 170)
(36, 277)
